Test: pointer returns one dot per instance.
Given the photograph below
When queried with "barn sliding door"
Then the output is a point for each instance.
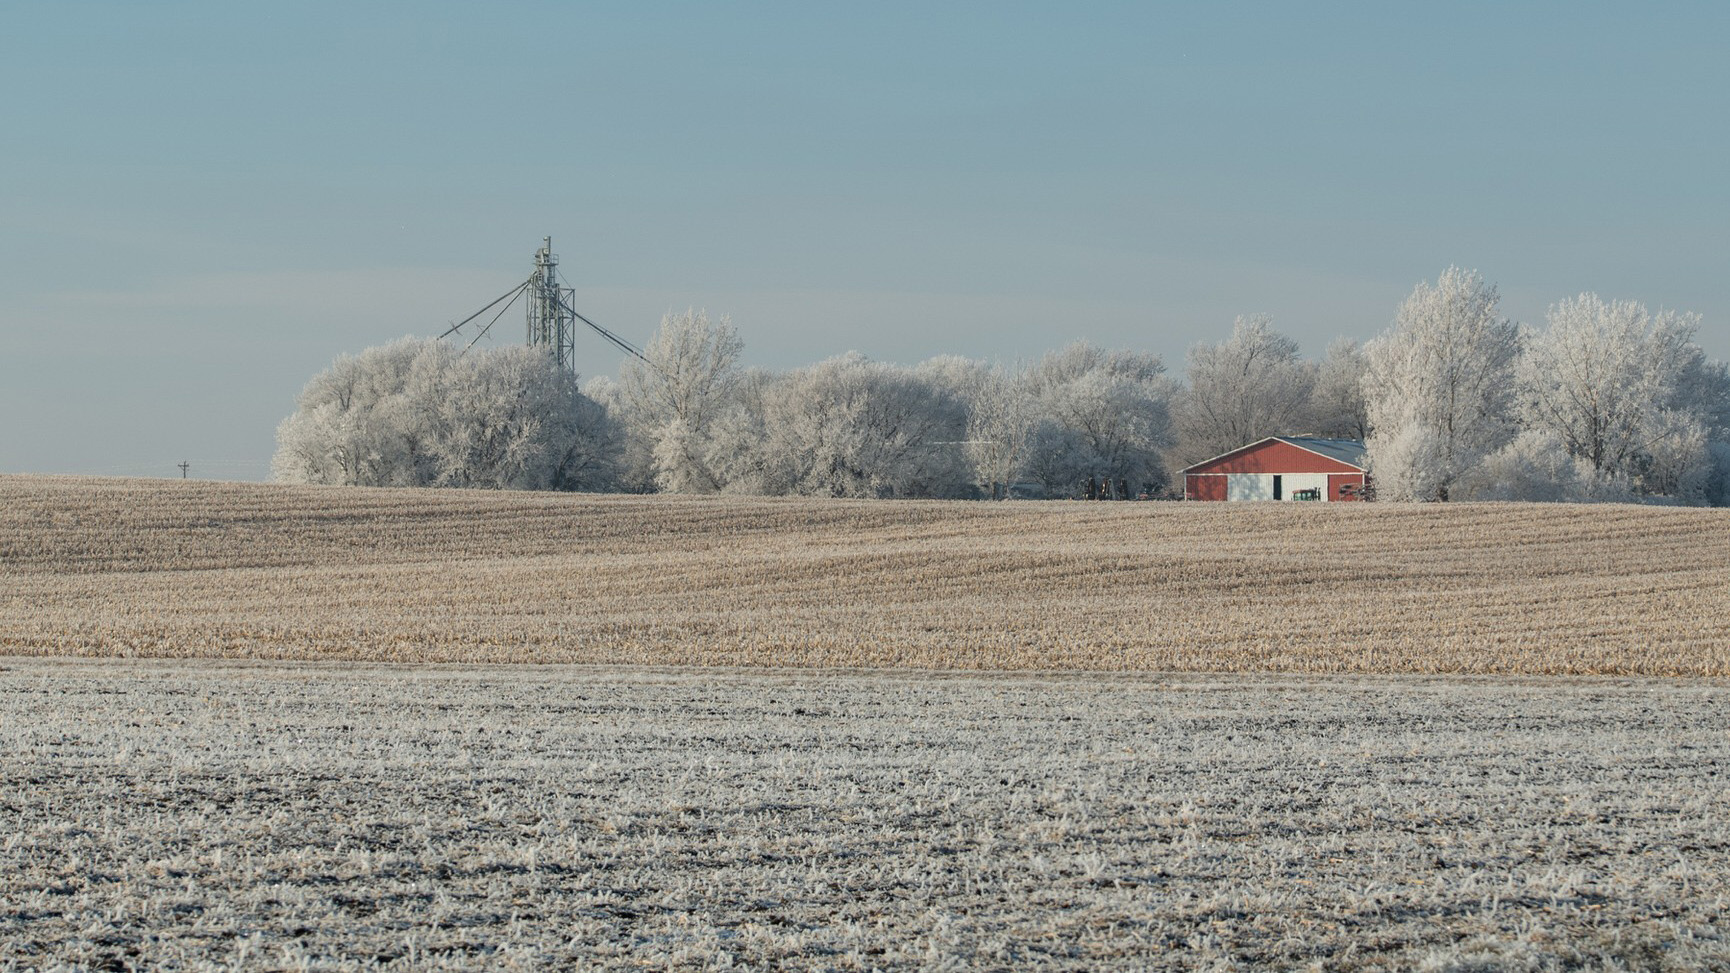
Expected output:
(1306, 486)
(1249, 486)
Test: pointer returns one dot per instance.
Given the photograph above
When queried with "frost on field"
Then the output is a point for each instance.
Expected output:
(341, 817)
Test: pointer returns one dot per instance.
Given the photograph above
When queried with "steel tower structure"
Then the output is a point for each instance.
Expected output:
(552, 312)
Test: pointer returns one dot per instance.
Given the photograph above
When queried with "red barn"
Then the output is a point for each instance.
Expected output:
(1282, 468)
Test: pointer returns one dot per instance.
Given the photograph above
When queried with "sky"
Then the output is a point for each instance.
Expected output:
(203, 204)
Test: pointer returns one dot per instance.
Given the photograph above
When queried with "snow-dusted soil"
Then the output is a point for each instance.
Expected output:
(160, 814)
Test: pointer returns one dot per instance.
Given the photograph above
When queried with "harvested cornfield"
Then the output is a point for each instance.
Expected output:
(108, 567)
(290, 816)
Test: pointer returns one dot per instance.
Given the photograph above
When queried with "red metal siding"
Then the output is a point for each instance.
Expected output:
(1338, 484)
(1203, 487)
(1274, 457)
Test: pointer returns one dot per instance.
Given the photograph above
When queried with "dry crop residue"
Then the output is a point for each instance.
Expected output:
(170, 568)
(334, 816)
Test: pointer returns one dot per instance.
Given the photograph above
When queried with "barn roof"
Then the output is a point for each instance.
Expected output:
(1347, 451)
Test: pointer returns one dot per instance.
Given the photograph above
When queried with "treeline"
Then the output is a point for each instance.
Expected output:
(1606, 401)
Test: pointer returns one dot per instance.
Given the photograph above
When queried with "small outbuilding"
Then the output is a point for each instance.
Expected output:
(1282, 468)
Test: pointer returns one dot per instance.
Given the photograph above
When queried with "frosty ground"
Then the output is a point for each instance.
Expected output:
(338, 816)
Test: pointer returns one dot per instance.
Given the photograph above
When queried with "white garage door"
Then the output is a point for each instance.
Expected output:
(1291, 483)
(1249, 486)
(1261, 486)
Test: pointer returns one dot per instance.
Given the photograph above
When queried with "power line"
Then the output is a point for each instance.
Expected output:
(510, 293)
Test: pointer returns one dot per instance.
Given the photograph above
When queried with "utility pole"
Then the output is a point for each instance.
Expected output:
(183, 467)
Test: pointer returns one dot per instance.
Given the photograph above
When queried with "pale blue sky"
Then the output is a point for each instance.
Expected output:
(204, 203)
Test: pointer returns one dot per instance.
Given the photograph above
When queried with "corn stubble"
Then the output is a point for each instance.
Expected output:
(107, 567)
(245, 815)
(346, 815)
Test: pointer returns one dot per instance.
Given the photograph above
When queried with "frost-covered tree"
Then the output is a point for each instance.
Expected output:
(1717, 486)
(1704, 392)
(511, 419)
(1605, 377)
(1101, 413)
(362, 421)
(418, 413)
(1439, 387)
(1337, 408)
(1704, 388)
(738, 452)
(1680, 467)
(1001, 417)
(671, 403)
(1248, 387)
(852, 427)
(1536, 466)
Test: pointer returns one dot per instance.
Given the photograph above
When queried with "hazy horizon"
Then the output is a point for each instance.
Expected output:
(209, 203)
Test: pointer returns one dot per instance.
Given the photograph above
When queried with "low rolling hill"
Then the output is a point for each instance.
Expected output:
(116, 567)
